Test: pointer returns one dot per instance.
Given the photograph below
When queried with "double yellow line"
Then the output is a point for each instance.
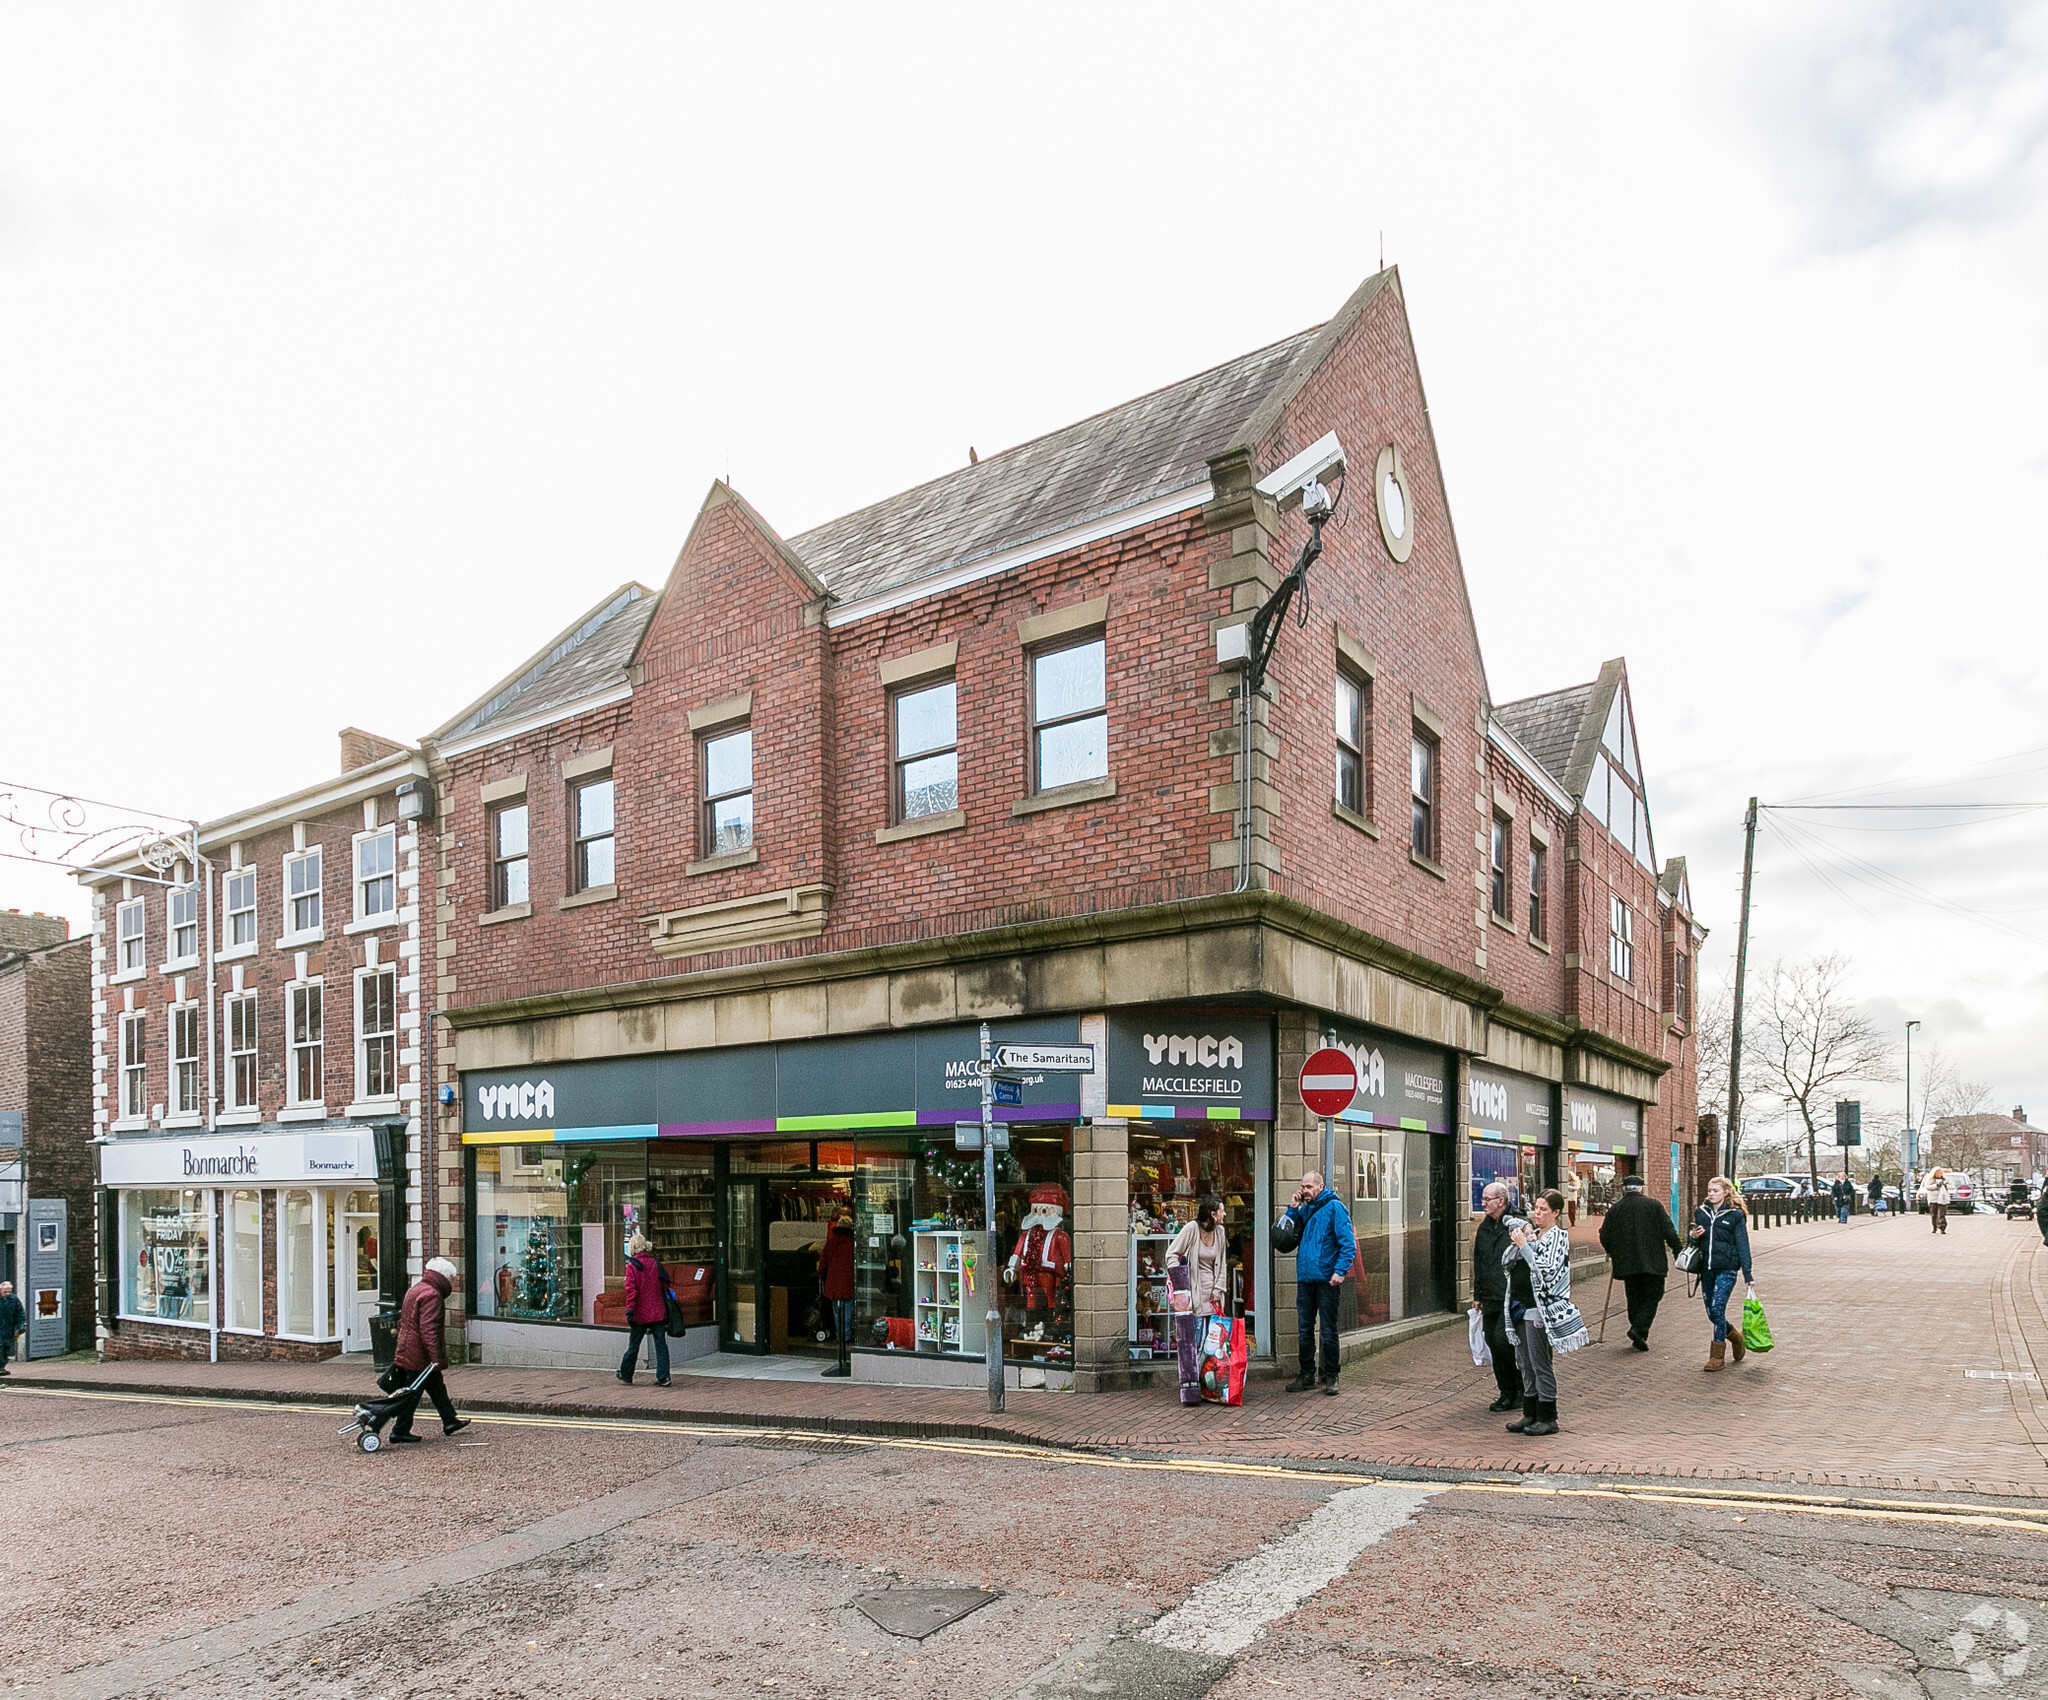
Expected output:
(1709, 1499)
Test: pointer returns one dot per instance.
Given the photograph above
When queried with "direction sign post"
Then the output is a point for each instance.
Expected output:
(1046, 1059)
(992, 1324)
(1329, 1081)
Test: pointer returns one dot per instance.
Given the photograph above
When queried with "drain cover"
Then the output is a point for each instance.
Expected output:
(915, 1613)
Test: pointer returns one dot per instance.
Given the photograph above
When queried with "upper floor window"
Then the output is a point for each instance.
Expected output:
(128, 925)
(377, 874)
(240, 887)
(926, 728)
(241, 1070)
(1353, 766)
(728, 792)
(305, 1077)
(508, 856)
(185, 1059)
(302, 891)
(1503, 833)
(1422, 765)
(591, 805)
(134, 1069)
(1621, 939)
(182, 905)
(1539, 890)
(377, 1033)
(1681, 986)
(1069, 719)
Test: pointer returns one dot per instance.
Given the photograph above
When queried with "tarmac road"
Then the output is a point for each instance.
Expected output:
(224, 1550)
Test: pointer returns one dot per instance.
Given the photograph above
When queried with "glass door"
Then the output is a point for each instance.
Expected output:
(741, 1313)
(362, 1268)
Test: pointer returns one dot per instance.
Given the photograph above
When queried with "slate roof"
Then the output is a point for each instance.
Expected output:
(1547, 726)
(1130, 455)
(581, 661)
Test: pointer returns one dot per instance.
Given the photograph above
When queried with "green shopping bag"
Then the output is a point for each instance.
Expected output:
(1756, 1332)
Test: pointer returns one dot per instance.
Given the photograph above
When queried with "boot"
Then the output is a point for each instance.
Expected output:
(1507, 1402)
(1735, 1344)
(1546, 1418)
(1302, 1384)
(1717, 1356)
(1532, 1409)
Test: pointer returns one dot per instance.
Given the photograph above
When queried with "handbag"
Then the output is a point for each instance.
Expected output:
(1687, 1262)
(675, 1327)
(392, 1379)
(1475, 1332)
(1288, 1230)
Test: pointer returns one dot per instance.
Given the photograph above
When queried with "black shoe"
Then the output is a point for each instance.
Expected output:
(458, 1423)
(1546, 1418)
(1636, 1345)
(1504, 1403)
(1531, 1409)
(405, 1440)
(1330, 1387)
(1302, 1384)
(663, 1382)
(622, 1376)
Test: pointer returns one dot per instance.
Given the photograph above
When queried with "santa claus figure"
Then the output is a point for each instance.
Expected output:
(1043, 1252)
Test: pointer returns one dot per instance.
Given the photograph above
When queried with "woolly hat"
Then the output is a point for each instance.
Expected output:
(442, 1267)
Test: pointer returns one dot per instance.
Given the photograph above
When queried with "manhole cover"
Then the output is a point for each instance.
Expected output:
(915, 1613)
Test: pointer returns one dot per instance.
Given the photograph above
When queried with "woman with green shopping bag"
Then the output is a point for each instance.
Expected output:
(1721, 1229)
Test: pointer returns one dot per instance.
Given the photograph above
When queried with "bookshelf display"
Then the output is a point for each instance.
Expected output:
(949, 1301)
(1151, 1312)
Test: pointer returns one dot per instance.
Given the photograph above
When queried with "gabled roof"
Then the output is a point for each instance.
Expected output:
(1547, 727)
(585, 660)
(1155, 446)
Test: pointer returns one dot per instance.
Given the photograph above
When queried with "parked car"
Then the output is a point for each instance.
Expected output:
(1962, 1193)
(1777, 1186)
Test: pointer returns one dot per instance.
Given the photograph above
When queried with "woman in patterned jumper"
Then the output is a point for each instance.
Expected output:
(1541, 1314)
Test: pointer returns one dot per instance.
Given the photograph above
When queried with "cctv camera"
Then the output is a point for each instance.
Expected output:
(1299, 482)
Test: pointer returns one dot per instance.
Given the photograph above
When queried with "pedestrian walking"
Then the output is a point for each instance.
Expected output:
(1877, 1197)
(835, 1284)
(1574, 1186)
(646, 1309)
(1634, 1236)
(14, 1320)
(1202, 1248)
(1938, 1196)
(1843, 1192)
(1491, 1248)
(1540, 1307)
(1321, 1261)
(1721, 1225)
(2041, 1213)
(421, 1321)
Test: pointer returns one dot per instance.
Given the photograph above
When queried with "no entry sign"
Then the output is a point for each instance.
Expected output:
(1329, 1081)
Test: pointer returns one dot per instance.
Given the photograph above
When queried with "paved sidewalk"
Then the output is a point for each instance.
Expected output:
(1905, 1361)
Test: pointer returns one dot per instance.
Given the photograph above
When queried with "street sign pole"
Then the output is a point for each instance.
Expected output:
(993, 1324)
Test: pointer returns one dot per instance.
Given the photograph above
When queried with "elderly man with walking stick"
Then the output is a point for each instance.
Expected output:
(1634, 1235)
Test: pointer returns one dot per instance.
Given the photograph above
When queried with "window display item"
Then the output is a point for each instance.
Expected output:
(1044, 1253)
(1225, 1354)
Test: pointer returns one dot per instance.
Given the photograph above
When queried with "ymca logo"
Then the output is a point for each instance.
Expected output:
(1207, 1051)
(529, 1101)
(1585, 1118)
(1371, 1066)
(1489, 1099)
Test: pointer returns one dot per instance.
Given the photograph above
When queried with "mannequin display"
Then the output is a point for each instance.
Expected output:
(1043, 1254)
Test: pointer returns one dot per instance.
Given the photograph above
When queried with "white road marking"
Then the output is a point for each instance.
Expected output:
(1231, 1610)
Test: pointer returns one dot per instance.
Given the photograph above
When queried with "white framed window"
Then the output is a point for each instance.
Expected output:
(302, 893)
(1621, 939)
(166, 1262)
(1069, 714)
(304, 1072)
(240, 1021)
(376, 1033)
(242, 1240)
(728, 823)
(128, 930)
(134, 1067)
(509, 862)
(184, 1100)
(377, 874)
(239, 926)
(181, 908)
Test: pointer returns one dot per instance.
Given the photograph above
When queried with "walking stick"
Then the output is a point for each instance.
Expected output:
(1609, 1300)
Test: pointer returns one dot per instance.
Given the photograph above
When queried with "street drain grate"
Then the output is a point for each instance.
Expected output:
(914, 1613)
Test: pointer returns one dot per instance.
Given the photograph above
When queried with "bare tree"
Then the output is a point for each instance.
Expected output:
(1711, 1027)
(1809, 1039)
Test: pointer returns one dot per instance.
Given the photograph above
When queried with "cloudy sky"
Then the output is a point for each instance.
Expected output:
(345, 353)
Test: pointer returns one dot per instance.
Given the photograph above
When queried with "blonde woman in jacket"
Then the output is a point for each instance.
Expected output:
(1198, 1263)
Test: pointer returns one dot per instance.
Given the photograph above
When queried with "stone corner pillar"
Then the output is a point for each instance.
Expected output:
(1102, 1243)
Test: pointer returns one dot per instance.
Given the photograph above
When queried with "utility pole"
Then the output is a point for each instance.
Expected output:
(1909, 1158)
(1741, 969)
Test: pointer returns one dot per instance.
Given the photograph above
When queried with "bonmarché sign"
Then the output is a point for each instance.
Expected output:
(243, 1161)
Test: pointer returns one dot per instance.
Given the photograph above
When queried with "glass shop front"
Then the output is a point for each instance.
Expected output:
(1511, 1121)
(736, 1163)
(1603, 1143)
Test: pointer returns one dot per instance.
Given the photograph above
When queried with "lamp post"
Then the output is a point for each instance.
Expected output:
(1911, 1154)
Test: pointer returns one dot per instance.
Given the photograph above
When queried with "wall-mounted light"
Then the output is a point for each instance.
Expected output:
(415, 800)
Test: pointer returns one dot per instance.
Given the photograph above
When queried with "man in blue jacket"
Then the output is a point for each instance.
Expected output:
(1321, 1262)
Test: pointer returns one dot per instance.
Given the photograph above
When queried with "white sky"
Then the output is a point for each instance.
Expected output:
(346, 353)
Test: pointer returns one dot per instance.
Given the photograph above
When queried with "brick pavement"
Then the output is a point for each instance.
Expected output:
(1877, 1324)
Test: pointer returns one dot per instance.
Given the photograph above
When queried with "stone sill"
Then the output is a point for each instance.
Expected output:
(951, 821)
(235, 952)
(1537, 944)
(1506, 925)
(716, 864)
(1352, 818)
(371, 924)
(511, 912)
(299, 941)
(303, 1113)
(1427, 866)
(1088, 791)
(591, 894)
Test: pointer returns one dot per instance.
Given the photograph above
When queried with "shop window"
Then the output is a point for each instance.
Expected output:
(683, 1224)
(129, 922)
(302, 892)
(1539, 891)
(377, 1033)
(185, 1059)
(241, 1070)
(508, 856)
(245, 1262)
(182, 907)
(1422, 775)
(591, 805)
(1621, 939)
(1390, 1175)
(1172, 1166)
(240, 891)
(1069, 725)
(298, 1269)
(166, 1255)
(1353, 765)
(134, 1068)
(305, 1076)
(1503, 837)
(552, 1225)
(377, 874)
(728, 824)
(925, 726)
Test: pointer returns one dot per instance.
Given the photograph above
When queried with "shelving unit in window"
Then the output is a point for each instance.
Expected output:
(1151, 1313)
(949, 1302)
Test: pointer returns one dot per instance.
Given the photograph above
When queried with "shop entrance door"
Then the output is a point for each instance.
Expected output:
(361, 1263)
(741, 1308)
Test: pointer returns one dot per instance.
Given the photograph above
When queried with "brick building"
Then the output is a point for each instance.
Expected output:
(256, 1022)
(730, 874)
(46, 1156)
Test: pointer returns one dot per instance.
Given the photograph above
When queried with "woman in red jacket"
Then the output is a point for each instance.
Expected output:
(646, 1308)
(835, 1284)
